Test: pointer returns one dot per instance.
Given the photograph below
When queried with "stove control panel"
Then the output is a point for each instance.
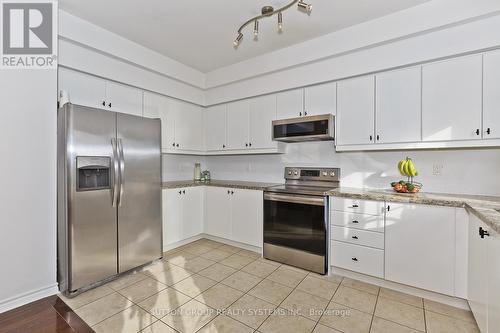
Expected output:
(312, 174)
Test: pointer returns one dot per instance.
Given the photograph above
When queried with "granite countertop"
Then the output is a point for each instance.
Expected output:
(486, 208)
(260, 186)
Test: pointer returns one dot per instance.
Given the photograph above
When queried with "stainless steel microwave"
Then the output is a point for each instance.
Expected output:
(310, 128)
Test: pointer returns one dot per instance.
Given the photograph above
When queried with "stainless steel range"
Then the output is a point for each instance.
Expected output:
(296, 218)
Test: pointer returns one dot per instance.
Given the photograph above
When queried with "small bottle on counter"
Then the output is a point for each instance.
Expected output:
(197, 171)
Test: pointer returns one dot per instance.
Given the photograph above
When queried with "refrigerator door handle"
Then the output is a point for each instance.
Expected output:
(122, 170)
(116, 171)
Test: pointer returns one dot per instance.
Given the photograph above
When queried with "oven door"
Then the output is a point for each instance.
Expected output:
(298, 223)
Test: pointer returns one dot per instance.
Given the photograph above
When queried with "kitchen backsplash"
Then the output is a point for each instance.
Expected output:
(463, 171)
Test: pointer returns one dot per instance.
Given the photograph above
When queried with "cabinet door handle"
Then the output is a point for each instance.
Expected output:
(488, 131)
(249, 144)
(354, 206)
(183, 191)
(305, 113)
(477, 131)
(354, 237)
(177, 145)
(300, 114)
(180, 192)
(246, 144)
(388, 208)
(109, 104)
(232, 192)
(228, 192)
(223, 146)
(355, 221)
(173, 144)
(354, 259)
(483, 232)
(103, 103)
(371, 138)
(378, 137)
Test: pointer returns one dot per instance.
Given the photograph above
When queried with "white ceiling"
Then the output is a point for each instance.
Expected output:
(199, 33)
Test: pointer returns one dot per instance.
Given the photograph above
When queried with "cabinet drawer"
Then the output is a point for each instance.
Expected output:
(357, 206)
(359, 237)
(357, 258)
(358, 221)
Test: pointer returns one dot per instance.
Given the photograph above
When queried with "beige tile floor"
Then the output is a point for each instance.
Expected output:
(210, 287)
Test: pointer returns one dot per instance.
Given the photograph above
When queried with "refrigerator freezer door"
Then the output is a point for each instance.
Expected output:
(139, 202)
(92, 219)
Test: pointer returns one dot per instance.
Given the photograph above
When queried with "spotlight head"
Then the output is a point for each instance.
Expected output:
(305, 7)
(238, 39)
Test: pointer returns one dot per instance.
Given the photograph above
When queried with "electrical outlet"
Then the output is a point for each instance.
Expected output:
(437, 169)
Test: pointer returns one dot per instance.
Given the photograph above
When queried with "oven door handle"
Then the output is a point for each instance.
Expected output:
(300, 199)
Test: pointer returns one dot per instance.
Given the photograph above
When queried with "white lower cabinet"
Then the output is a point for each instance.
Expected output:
(493, 282)
(484, 275)
(477, 273)
(357, 258)
(234, 214)
(420, 246)
(247, 217)
(182, 214)
(217, 212)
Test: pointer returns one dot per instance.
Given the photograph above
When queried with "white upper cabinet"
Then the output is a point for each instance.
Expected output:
(83, 89)
(452, 99)
(491, 96)
(262, 114)
(290, 104)
(215, 128)
(158, 106)
(398, 106)
(320, 99)
(420, 246)
(188, 126)
(237, 124)
(356, 111)
(124, 99)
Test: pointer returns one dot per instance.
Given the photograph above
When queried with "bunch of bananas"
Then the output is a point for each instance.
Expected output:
(406, 168)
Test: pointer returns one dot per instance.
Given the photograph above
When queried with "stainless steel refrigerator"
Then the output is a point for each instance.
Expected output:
(109, 195)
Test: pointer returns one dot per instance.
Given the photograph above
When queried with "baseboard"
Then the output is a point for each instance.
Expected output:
(172, 246)
(168, 247)
(233, 243)
(31, 296)
(430, 295)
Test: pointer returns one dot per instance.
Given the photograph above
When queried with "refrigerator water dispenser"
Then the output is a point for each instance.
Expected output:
(93, 173)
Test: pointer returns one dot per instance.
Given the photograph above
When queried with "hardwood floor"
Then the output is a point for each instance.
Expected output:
(48, 315)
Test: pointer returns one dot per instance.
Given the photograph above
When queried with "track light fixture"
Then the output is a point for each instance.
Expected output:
(268, 11)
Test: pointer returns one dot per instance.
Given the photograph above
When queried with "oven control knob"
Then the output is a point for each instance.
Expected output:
(332, 174)
(325, 173)
(289, 173)
(296, 173)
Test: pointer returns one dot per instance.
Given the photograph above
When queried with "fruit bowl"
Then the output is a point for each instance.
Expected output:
(406, 187)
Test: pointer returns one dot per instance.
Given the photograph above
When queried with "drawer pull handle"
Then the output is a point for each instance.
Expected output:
(354, 237)
(355, 221)
(354, 259)
(354, 206)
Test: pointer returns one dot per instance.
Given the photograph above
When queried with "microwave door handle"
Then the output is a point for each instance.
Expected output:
(122, 171)
(116, 178)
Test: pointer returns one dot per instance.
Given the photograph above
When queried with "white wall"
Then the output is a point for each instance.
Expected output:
(180, 167)
(28, 186)
(464, 171)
